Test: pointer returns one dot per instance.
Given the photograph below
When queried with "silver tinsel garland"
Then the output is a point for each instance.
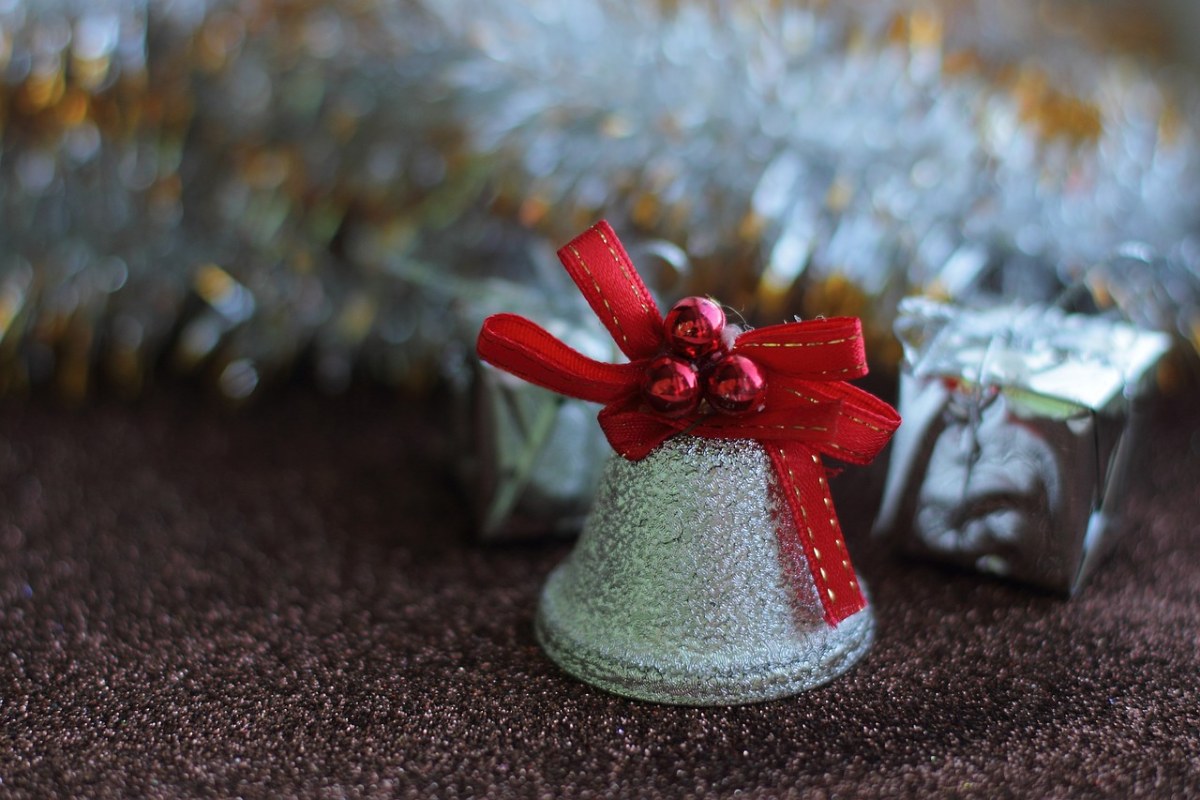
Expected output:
(235, 188)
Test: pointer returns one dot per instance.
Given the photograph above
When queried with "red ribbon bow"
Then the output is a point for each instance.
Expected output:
(809, 410)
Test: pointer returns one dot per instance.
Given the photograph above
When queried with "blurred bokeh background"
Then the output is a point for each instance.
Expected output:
(245, 194)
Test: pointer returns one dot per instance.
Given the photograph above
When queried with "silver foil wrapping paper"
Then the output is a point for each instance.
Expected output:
(1020, 427)
(529, 459)
(683, 587)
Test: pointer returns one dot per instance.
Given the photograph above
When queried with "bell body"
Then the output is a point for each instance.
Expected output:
(688, 585)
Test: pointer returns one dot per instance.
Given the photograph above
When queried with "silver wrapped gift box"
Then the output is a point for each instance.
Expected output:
(533, 459)
(1020, 430)
(529, 459)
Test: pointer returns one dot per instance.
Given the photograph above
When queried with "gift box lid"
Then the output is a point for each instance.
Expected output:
(1087, 360)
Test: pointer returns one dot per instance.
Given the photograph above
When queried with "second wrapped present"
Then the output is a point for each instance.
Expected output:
(1021, 426)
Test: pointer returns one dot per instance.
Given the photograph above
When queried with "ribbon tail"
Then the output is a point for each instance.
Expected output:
(601, 269)
(806, 491)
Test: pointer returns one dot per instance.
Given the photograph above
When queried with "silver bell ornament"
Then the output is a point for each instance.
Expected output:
(712, 568)
(679, 590)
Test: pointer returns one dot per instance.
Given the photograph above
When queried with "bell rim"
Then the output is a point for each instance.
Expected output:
(845, 646)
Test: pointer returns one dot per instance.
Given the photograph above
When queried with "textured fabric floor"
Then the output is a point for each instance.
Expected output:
(288, 602)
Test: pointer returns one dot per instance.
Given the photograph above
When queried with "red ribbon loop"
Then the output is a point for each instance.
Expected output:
(601, 268)
(530, 352)
(809, 410)
(816, 350)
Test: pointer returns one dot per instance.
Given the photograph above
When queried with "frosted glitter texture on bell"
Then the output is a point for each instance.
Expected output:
(688, 585)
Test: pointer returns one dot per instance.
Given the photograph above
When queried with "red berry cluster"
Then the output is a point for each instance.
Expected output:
(698, 366)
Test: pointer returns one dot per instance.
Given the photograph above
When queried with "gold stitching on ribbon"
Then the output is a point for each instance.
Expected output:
(599, 291)
(842, 413)
(624, 270)
(800, 344)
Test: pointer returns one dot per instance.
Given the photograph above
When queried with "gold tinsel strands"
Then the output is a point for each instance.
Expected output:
(234, 188)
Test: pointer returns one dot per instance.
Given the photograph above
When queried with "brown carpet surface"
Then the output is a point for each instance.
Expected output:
(287, 602)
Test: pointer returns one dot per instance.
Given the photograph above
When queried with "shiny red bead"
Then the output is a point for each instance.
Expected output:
(693, 327)
(671, 386)
(735, 385)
